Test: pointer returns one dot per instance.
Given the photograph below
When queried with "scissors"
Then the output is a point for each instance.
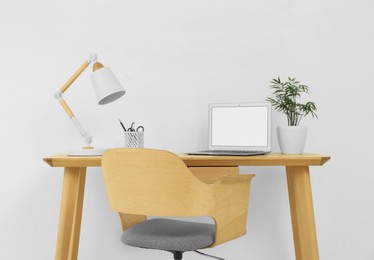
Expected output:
(132, 129)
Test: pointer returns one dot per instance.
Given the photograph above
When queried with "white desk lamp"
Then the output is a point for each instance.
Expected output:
(107, 89)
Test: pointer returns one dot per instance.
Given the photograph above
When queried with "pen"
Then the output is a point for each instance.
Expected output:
(122, 124)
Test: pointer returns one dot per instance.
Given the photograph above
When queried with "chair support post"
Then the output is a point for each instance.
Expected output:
(178, 255)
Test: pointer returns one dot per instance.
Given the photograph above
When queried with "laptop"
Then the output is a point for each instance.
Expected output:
(239, 129)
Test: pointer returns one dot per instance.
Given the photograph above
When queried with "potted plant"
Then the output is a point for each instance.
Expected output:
(286, 99)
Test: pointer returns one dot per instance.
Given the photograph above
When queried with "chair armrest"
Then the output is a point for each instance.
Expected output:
(231, 195)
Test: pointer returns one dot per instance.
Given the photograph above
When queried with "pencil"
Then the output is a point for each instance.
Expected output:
(122, 124)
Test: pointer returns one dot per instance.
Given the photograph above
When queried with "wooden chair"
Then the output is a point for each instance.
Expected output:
(147, 182)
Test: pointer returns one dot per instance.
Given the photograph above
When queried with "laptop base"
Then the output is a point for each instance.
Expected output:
(228, 153)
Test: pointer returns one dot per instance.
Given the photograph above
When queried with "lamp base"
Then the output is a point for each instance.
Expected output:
(86, 152)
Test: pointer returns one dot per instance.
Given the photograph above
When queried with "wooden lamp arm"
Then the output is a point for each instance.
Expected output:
(87, 138)
(66, 108)
(75, 76)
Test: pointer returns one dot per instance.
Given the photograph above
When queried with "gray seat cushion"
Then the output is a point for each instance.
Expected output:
(170, 235)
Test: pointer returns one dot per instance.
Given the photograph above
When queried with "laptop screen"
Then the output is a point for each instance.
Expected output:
(240, 126)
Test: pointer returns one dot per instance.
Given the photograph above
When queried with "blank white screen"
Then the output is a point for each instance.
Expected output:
(239, 126)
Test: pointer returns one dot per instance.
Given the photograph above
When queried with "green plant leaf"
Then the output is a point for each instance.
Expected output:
(285, 99)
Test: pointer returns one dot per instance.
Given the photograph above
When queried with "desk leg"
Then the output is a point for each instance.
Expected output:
(302, 214)
(70, 213)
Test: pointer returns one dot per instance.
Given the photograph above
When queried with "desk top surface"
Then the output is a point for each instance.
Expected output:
(272, 159)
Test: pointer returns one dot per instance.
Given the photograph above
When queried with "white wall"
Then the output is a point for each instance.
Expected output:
(174, 58)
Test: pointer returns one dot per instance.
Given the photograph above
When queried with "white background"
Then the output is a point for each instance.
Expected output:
(174, 58)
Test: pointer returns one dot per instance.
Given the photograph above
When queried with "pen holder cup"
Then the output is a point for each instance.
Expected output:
(134, 139)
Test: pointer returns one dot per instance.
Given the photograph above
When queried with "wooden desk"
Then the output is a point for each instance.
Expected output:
(206, 168)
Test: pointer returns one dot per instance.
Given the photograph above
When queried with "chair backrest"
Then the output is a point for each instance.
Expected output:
(153, 182)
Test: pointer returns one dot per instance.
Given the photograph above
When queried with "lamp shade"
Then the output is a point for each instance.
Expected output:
(106, 86)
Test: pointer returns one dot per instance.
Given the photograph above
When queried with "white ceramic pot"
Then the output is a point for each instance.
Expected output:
(292, 139)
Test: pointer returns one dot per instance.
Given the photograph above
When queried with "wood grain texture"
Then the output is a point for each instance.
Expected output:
(74, 76)
(273, 159)
(129, 220)
(297, 168)
(66, 108)
(212, 174)
(97, 65)
(70, 213)
(64, 160)
(157, 183)
(302, 214)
